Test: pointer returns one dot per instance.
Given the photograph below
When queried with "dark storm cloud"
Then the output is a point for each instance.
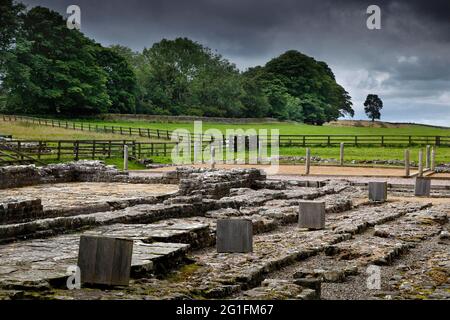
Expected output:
(407, 62)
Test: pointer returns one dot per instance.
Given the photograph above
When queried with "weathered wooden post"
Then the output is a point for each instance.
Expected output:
(104, 260)
(420, 163)
(311, 215)
(213, 157)
(308, 161)
(407, 167)
(234, 236)
(428, 158)
(341, 154)
(433, 158)
(125, 157)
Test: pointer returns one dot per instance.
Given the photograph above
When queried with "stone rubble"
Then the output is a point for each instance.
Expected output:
(174, 237)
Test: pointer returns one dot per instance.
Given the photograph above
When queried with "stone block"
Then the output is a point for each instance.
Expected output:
(422, 187)
(378, 191)
(234, 236)
(311, 215)
(105, 260)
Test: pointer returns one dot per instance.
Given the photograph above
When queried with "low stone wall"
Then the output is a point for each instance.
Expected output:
(20, 210)
(217, 183)
(86, 171)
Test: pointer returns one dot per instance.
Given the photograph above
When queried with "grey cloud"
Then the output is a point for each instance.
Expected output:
(407, 62)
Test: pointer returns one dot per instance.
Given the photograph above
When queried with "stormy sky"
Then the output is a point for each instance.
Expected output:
(407, 62)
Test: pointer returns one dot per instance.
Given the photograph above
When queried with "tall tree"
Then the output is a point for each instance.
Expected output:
(121, 81)
(183, 77)
(373, 106)
(54, 69)
(320, 97)
(10, 26)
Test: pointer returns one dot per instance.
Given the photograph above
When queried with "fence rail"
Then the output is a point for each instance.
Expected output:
(24, 151)
(297, 140)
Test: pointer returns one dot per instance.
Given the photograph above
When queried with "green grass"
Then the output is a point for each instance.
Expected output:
(367, 153)
(30, 131)
(285, 128)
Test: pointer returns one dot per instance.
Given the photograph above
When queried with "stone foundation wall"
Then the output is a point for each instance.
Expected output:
(217, 183)
(80, 171)
(20, 210)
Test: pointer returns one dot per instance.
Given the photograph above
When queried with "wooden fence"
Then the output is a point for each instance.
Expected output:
(23, 151)
(298, 140)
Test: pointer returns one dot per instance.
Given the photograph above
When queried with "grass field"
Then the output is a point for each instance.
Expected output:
(284, 127)
(21, 130)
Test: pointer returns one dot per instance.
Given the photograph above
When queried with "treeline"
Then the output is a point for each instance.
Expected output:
(48, 69)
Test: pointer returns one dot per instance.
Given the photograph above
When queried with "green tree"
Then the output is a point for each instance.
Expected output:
(54, 69)
(373, 106)
(321, 99)
(121, 81)
(183, 77)
(10, 26)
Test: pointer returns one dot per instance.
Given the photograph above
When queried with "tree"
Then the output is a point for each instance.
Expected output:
(183, 77)
(54, 70)
(372, 106)
(121, 81)
(10, 22)
(320, 98)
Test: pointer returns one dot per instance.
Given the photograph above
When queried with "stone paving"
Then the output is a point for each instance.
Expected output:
(73, 195)
(174, 236)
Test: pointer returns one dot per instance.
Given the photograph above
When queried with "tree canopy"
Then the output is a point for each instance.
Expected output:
(48, 69)
(373, 106)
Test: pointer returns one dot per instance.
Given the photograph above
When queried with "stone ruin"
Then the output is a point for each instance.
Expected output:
(174, 234)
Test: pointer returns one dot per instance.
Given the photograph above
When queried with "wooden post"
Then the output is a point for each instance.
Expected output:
(420, 163)
(341, 154)
(407, 168)
(59, 151)
(308, 161)
(125, 157)
(109, 149)
(428, 157)
(213, 157)
(76, 147)
(433, 159)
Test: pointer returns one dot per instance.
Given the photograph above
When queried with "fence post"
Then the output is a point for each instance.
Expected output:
(76, 147)
(93, 150)
(428, 157)
(341, 154)
(125, 157)
(308, 161)
(213, 157)
(420, 162)
(407, 169)
(433, 159)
